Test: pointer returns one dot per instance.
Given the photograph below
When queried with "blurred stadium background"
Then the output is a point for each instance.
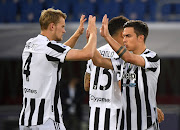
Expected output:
(19, 22)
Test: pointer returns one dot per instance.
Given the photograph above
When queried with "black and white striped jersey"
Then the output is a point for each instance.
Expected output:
(104, 95)
(139, 87)
(41, 71)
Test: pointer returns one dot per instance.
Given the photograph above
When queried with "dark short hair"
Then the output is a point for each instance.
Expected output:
(140, 27)
(116, 24)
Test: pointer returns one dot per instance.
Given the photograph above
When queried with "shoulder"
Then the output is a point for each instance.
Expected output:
(59, 47)
(149, 53)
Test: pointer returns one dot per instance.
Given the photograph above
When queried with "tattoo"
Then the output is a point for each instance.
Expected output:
(119, 49)
(122, 53)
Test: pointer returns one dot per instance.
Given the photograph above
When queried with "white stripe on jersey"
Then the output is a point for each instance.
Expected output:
(139, 92)
(104, 118)
(105, 94)
(42, 60)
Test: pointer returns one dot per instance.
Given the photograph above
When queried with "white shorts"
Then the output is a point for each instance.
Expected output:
(48, 125)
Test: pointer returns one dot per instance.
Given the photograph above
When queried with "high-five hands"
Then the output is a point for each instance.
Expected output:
(104, 29)
(81, 26)
(91, 26)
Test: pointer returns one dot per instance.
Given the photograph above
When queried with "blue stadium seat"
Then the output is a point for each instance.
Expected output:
(3, 7)
(63, 5)
(80, 7)
(177, 8)
(30, 10)
(8, 11)
(135, 9)
(151, 10)
(112, 8)
(166, 9)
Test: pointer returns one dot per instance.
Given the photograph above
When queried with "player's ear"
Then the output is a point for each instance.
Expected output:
(141, 37)
(51, 26)
(121, 34)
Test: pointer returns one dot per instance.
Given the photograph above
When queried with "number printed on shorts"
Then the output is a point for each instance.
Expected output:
(26, 70)
(106, 72)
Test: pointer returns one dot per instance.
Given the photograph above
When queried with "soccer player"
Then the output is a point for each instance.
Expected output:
(42, 59)
(104, 94)
(139, 80)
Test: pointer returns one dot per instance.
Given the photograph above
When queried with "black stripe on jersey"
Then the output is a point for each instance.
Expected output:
(107, 118)
(50, 58)
(96, 118)
(32, 108)
(128, 110)
(23, 115)
(122, 84)
(122, 121)
(41, 112)
(117, 117)
(152, 69)
(56, 96)
(138, 102)
(147, 52)
(148, 107)
(96, 78)
(56, 47)
(154, 59)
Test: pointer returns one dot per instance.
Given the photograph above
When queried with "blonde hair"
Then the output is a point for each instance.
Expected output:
(50, 16)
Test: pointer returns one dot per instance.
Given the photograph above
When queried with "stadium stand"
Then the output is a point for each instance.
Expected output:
(8, 11)
(112, 8)
(18, 22)
(28, 11)
(80, 7)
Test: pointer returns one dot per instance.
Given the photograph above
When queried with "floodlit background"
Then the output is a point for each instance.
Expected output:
(19, 22)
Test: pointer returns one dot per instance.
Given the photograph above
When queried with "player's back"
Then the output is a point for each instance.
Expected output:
(105, 94)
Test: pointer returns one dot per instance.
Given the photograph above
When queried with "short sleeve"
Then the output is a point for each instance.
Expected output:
(56, 51)
(152, 61)
(118, 65)
(88, 66)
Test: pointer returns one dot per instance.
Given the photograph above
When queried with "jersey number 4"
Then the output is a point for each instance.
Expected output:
(106, 72)
(27, 67)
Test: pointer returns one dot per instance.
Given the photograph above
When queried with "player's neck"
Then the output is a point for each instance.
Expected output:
(46, 34)
(140, 49)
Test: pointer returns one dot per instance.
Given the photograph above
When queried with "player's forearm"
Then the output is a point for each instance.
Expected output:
(73, 39)
(113, 43)
(133, 59)
(90, 47)
(100, 61)
(124, 54)
(97, 59)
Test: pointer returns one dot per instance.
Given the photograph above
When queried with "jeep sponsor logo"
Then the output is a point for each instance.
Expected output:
(129, 76)
(27, 90)
(99, 99)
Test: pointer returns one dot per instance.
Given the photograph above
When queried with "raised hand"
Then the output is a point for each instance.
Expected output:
(81, 26)
(104, 29)
(91, 25)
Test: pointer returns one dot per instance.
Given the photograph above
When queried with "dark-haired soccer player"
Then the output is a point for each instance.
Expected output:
(104, 92)
(140, 74)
